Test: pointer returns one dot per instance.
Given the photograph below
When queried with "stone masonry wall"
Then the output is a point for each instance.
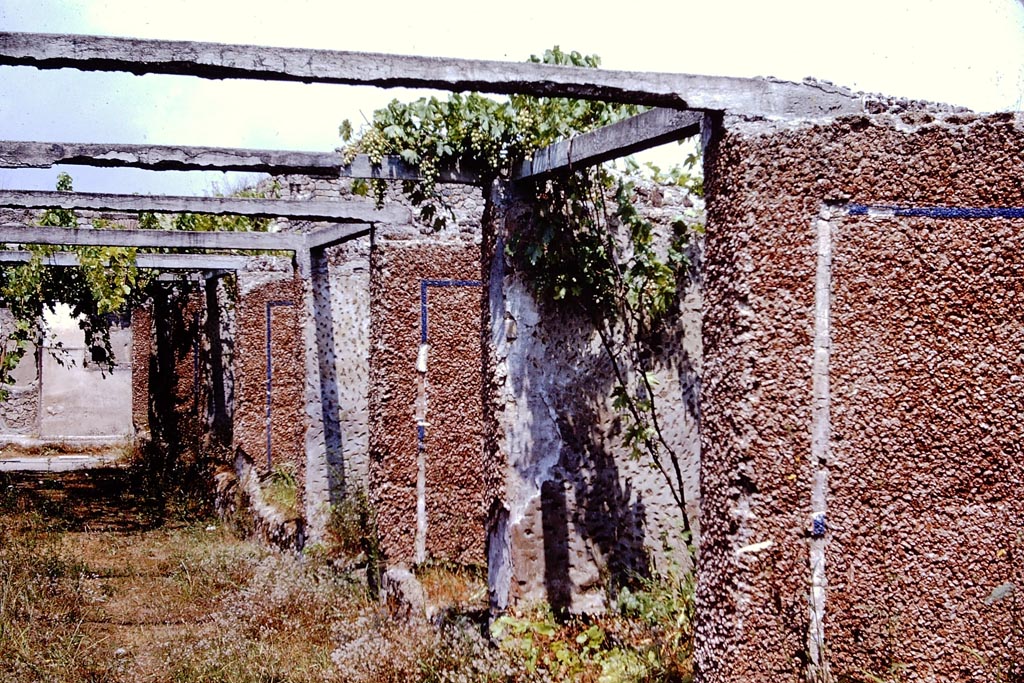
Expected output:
(19, 414)
(426, 441)
(276, 289)
(862, 470)
(341, 282)
(568, 507)
(367, 295)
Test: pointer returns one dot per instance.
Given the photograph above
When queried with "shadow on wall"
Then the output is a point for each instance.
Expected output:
(607, 517)
(329, 393)
(174, 370)
(592, 519)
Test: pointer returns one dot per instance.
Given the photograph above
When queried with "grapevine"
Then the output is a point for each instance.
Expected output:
(569, 251)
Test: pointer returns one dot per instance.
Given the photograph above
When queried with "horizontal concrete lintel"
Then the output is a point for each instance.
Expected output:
(363, 211)
(22, 233)
(29, 154)
(635, 134)
(216, 61)
(211, 262)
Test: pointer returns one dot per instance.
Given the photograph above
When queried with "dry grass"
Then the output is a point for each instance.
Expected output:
(100, 583)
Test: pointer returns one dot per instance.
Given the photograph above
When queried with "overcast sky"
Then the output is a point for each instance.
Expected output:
(969, 53)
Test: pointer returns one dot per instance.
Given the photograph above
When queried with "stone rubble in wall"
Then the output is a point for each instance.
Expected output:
(466, 202)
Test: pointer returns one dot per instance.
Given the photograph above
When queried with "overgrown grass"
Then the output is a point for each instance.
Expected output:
(183, 600)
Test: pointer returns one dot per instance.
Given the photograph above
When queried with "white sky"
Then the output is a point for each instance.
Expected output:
(969, 53)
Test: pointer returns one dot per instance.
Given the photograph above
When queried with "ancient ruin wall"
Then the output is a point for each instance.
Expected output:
(341, 282)
(278, 291)
(426, 412)
(860, 398)
(19, 413)
(569, 507)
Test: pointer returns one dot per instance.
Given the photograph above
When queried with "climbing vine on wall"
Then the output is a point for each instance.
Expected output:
(587, 246)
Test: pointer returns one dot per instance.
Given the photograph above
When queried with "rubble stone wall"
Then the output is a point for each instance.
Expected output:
(863, 337)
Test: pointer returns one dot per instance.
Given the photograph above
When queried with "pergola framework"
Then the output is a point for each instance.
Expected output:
(685, 104)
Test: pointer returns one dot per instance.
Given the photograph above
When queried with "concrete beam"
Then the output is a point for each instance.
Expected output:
(394, 168)
(19, 233)
(334, 234)
(216, 60)
(23, 154)
(363, 211)
(212, 262)
(637, 133)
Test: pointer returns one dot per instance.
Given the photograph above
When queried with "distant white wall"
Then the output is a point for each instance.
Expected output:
(71, 398)
(79, 398)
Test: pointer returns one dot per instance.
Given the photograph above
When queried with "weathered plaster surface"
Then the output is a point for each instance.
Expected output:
(569, 508)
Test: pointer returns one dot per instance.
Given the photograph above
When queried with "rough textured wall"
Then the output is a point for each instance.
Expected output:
(429, 502)
(569, 508)
(862, 365)
(142, 348)
(368, 323)
(277, 290)
(341, 298)
(341, 287)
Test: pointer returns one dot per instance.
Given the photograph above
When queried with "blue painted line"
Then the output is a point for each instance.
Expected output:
(424, 284)
(421, 430)
(938, 211)
(271, 305)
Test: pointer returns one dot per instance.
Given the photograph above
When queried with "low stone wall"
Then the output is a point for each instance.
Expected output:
(861, 470)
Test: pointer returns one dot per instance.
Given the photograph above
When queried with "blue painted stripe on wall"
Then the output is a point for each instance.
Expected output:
(938, 211)
(424, 284)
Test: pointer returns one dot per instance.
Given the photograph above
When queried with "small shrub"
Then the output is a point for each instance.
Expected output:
(281, 490)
